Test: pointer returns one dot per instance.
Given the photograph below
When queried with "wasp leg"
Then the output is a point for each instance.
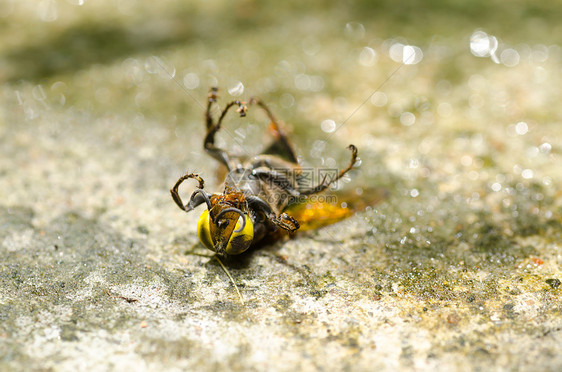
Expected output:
(324, 185)
(282, 145)
(196, 199)
(212, 98)
(257, 204)
(274, 178)
(212, 128)
(283, 221)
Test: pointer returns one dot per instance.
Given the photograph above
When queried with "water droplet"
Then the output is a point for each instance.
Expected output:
(539, 54)
(191, 80)
(477, 82)
(473, 175)
(156, 65)
(367, 57)
(396, 52)
(302, 82)
(319, 145)
(133, 70)
(545, 148)
(532, 151)
(414, 193)
(316, 83)
(47, 10)
(236, 89)
(283, 68)
(411, 55)
(527, 173)
(328, 125)
(414, 163)
(496, 186)
(354, 30)
(287, 100)
(406, 54)
(379, 99)
(76, 2)
(407, 119)
(509, 57)
(482, 45)
(466, 160)
(330, 163)
(310, 46)
(521, 128)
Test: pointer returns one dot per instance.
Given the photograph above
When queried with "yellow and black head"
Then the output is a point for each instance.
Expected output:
(224, 229)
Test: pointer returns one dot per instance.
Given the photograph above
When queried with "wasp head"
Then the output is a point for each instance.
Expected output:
(225, 229)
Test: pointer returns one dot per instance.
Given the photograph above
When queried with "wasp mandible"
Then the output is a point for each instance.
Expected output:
(256, 194)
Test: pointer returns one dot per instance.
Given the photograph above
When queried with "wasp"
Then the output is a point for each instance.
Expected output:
(257, 191)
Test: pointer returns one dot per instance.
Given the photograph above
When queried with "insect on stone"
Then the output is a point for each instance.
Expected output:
(256, 194)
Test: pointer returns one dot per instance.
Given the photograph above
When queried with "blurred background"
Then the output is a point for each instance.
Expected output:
(94, 55)
(439, 90)
(411, 68)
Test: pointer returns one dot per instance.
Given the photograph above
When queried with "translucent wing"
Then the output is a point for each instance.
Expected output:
(331, 208)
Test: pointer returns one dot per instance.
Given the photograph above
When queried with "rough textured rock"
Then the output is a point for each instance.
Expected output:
(456, 268)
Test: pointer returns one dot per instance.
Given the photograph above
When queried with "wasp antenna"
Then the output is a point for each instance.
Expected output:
(231, 279)
(203, 195)
(235, 210)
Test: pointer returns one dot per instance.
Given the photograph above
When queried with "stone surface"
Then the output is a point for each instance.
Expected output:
(457, 268)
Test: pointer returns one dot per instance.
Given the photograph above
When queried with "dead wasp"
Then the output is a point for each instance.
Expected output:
(256, 193)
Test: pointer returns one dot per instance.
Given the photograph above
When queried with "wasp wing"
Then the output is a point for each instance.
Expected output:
(281, 145)
(327, 209)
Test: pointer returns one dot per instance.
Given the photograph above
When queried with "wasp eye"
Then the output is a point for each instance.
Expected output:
(242, 236)
(204, 230)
